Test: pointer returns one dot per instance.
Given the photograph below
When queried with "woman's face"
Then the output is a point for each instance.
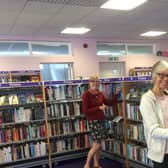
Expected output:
(161, 80)
(94, 84)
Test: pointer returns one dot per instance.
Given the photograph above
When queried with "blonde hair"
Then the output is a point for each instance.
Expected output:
(93, 78)
(159, 67)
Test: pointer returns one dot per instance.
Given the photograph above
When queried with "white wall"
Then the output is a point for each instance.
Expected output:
(139, 61)
(85, 60)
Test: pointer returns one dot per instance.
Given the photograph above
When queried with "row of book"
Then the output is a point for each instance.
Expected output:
(22, 151)
(67, 127)
(65, 109)
(20, 133)
(138, 153)
(71, 143)
(59, 92)
(132, 111)
(115, 129)
(136, 132)
(113, 146)
(109, 89)
(75, 91)
(136, 91)
(21, 114)
(20, 98)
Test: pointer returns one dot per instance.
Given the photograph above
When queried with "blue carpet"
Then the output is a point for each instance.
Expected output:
(79, 163)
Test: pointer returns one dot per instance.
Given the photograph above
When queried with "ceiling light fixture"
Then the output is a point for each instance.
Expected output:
(122, 4)
(76, 30)
(153, 33)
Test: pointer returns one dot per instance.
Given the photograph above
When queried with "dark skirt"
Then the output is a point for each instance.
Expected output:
(98, 130)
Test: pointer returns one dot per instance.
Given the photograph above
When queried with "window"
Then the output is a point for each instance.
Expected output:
(56, 71)
(51, 49)
(108, 49)
(139, 49)
(35, 48)
(14, 48)
(113, 50)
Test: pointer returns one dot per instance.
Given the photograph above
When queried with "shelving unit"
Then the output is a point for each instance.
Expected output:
(113, 148)
(4, 76)
(55, 107)
(23, 131)
(26, 75)
(140, 71)
(67, 126)
(20, 75)
(135, 142)
(58, 108)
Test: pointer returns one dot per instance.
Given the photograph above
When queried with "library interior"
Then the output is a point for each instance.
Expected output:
(48, 51)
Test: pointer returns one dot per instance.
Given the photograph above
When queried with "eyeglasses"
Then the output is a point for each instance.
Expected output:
(162, 75)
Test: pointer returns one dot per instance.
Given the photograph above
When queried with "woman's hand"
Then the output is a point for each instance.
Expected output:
(103, 107)
(117, 90)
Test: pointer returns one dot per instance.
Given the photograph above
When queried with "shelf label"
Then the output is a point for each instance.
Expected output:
(68, 82)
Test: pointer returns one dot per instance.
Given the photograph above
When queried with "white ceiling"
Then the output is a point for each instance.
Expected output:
(46, 18)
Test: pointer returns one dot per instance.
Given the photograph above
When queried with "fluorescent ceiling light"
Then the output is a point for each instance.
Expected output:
(72, 30)
(153, 33)
(122, 4)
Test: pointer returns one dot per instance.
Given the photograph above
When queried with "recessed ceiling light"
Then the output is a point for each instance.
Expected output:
(76, 30)
(122, 4)
(153, 33)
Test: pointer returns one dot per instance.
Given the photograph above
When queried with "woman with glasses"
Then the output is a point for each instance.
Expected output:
(154, 110)
(94, 104)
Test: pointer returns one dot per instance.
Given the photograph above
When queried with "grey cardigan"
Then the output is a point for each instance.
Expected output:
(155, 133)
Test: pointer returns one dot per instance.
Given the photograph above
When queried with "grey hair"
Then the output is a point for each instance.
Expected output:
(159, 66)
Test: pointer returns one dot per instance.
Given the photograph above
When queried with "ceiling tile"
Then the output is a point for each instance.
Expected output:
(48, 17)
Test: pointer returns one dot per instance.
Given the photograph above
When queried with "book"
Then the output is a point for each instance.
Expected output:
(22, 98)
(26, 150)
(4, 100)
(38, 97)
(13, 99)
(117, 119)
(30, 98)
(32, 150)
(1, 118)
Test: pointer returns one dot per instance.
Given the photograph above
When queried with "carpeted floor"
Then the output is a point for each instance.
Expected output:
(79, 163)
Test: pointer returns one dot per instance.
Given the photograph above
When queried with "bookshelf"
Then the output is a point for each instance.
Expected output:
(23, 133)
(67, 126)
(41, 122)
(55, 123)
(25, 75)
(135, 142)
(140, 71)
(113, 147)
(4, 76)
(20, 75)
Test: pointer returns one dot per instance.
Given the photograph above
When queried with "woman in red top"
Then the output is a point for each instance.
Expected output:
(94, 105)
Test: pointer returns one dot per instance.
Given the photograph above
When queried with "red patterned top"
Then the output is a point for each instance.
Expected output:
(91, 103)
